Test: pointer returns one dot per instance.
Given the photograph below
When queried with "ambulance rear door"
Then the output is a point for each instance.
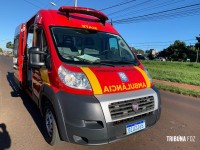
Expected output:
(18, 53)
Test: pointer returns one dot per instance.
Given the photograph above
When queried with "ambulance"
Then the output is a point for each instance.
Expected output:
(87, 83)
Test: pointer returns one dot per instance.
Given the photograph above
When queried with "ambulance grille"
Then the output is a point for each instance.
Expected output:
(123, 109)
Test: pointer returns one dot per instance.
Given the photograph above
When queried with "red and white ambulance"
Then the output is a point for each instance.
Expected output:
(90, 87)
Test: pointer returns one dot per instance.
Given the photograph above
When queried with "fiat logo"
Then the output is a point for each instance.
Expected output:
(135, 107)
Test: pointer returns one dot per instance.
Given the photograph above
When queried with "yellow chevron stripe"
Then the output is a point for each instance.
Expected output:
(93, 80)
(144, 75)
(44, 76)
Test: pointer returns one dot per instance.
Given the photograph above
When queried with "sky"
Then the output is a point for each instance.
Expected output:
(156, 34)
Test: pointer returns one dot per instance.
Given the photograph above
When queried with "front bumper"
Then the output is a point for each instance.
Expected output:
(87, 119)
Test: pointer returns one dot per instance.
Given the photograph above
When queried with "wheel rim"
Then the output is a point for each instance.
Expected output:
(49, 122)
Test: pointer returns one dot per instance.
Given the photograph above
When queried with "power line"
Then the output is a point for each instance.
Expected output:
(148, 45)
(167, 16)
(120, 4)
(154, 45)
(156, 14)
(32, 4)
(133, 6)
(146, 8)
(40, 2)
(163, 42)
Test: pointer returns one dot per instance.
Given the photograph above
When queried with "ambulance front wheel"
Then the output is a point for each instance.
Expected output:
(52, 135)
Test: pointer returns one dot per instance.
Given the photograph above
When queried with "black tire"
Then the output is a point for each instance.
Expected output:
(52, 136)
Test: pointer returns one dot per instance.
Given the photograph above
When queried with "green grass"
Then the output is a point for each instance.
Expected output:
(180, 72)
(178, 90)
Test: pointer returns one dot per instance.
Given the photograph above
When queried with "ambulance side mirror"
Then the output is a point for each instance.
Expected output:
(36, 57)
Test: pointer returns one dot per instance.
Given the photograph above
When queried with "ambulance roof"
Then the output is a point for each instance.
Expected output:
(75, 17)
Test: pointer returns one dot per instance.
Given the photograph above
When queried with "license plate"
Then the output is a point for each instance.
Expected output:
(137, 126)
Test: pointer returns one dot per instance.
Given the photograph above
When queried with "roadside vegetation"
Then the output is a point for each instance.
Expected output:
(179, 51)
(180, 72)
(178, 90)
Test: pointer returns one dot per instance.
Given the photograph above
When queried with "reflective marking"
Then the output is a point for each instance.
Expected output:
(44, 76)
(144, 75)
(124, 87)
(93, 80)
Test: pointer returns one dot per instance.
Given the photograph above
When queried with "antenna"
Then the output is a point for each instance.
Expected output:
(111, 22)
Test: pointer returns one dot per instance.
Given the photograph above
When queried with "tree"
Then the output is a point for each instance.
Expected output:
(1, 50)
(192, 53)
(198, 39)
(139, 51)
(197, 45)
(176, 51)
(150, 56)
(9, 45)
(179, 51)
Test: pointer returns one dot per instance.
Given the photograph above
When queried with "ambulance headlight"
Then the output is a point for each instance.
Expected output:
(73, 79)
(149, 76)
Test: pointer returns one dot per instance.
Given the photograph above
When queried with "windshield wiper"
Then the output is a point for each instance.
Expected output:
(105, 64)
(120, 61)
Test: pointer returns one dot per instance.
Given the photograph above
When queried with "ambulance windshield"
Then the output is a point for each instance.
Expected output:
(82, 45)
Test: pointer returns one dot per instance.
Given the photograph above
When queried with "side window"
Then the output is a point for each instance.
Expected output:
(15, 49)
(44, 42)
(124, 50)
(40, 40)
(36, 38)
(16, 44)
(30, 38)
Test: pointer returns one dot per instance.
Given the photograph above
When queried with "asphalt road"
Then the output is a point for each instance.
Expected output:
(21, 126)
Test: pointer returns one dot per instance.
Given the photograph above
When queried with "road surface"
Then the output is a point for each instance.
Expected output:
(21, 126)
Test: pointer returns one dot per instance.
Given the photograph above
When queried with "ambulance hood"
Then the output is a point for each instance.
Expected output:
(105, 80)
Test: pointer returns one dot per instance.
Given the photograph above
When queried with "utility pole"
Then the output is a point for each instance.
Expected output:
(197, 59)
(75, 3)
(198, 45)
